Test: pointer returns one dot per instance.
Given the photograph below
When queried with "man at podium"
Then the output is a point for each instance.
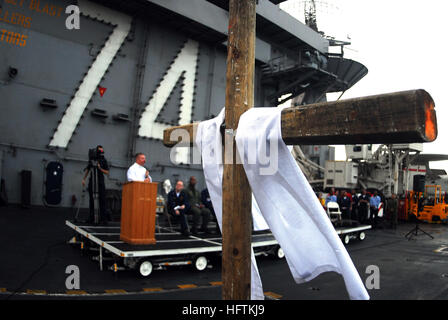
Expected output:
(137, 172)
(138, 209)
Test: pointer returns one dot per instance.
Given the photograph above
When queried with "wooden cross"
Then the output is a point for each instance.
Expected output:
(401, 117)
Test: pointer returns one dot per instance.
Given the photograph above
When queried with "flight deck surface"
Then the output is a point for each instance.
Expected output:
(35, 257)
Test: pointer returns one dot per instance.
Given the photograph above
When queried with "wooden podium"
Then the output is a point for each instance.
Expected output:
(138, 212)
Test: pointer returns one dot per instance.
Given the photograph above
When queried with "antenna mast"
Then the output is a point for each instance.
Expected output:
(310, 14)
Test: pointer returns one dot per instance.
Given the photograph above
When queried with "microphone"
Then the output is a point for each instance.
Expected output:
(147, 173)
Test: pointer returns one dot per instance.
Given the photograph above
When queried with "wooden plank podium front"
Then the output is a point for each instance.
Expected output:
(138, 212)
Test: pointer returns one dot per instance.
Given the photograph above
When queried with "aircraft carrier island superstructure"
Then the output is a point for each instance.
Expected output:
(124, 72)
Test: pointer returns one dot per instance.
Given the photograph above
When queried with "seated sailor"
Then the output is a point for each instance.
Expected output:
(178, 206)
(197, 208)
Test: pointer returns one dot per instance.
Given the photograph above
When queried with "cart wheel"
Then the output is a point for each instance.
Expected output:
(200, 263)
(346, 239)
(145, 268)
(361, 236)
(279, 253)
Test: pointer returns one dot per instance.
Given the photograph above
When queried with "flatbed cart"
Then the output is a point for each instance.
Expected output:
(348, 233)
(345, 228)
(171, 249)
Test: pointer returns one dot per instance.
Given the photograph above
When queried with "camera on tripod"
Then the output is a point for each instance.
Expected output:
(96, 182)
(95, 154)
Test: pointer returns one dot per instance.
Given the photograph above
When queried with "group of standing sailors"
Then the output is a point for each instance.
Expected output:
(356, 206)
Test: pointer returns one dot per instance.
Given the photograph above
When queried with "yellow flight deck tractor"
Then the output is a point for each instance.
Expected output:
(433, 204)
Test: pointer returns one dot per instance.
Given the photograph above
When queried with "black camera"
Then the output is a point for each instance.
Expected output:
(95, 154)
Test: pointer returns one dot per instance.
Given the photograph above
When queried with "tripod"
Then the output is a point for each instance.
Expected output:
(416, 229)
(93, 187)
(96, 205)
(83, 194)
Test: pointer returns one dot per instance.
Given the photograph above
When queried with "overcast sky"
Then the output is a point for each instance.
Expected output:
(403, 43)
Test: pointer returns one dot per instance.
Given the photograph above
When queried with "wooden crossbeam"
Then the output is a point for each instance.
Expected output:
(399, 117)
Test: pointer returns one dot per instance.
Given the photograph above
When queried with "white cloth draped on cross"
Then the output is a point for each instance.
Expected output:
(285, 199)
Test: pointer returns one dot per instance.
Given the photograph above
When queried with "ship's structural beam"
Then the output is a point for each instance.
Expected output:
(268, 15)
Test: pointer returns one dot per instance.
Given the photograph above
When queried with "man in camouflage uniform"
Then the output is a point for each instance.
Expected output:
(197, 208)
(392, 209)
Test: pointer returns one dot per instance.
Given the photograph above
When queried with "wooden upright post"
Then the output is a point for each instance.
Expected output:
(237, 197)
(402, 117)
